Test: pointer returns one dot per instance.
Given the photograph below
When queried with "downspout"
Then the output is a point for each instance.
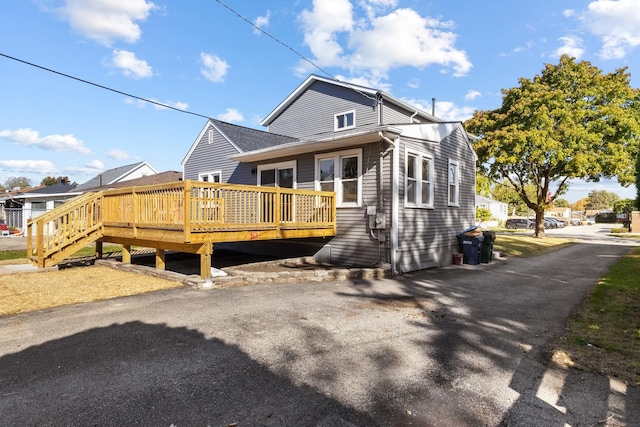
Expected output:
(393, 230)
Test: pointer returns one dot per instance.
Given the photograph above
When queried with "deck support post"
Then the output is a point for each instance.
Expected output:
(205, 260)
(99, 249)
(160, 259)
(126, 254)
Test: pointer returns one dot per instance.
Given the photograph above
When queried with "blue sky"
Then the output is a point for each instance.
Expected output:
(201, 57)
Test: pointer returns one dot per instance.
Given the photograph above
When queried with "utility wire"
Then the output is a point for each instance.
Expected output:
(277, 40)
(104, 87)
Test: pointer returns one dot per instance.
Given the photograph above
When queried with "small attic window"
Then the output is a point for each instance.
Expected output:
(346, 120)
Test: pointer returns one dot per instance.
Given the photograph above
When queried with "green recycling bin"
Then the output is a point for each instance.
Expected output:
(486, 250)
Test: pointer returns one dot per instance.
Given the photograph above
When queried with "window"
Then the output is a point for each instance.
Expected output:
(346, 120)
(419, 180)
(453, 182)
(210, 176)
(341, 172)
(277, 175)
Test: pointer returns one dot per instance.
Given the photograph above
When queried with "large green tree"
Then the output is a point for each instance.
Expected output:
(601, 199)
(572, 121)
(18, 182)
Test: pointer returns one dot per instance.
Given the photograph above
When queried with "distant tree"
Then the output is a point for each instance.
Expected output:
(483, 214)
(2, 188)
(50, 180)
(580, 205)
(483, 185)
(504, 192)
(623, 206)
(601, 199)
(570, 122)
(17, 182)
(561, 203)
(638, 181)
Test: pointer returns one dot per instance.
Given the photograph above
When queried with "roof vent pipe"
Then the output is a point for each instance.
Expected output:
(433, 106)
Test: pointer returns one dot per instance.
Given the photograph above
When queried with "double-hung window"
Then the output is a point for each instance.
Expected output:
(277, 175)
(215, 176)
(418, 180)
(341, 172)
(346, 120)
(453, 183)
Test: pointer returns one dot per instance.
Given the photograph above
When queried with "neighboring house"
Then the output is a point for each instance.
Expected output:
(499, 210)
(564, 213)
(119, 174)
(21, 205)
(404, 179)
(157, 178)
(17, 207)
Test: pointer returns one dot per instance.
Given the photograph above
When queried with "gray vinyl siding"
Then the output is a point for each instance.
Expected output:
(313, 113)
(210, 156)
(428, 237)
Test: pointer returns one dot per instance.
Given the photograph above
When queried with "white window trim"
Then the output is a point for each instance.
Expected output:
(344, 113)
(281, 165)
(456, 202)
(337, 179)
(419, 179)
(210, 175)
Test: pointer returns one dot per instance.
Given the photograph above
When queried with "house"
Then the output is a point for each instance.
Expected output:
(564, 213)
(17, 207)
(119, 174)
(499, 210)
(404, 179)
(21, 205)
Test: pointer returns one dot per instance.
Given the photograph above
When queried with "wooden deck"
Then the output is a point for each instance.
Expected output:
(184, 216)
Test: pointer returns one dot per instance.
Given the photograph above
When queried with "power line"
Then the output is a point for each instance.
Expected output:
(304, 58)
(104, 87)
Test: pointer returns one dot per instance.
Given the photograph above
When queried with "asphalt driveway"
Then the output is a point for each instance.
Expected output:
(463, 345)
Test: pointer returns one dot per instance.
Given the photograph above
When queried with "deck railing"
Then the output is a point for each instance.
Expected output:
(201, 207)
(186, 212)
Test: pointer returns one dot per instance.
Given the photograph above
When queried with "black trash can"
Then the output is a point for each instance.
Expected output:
(471, 246)
(486, 252)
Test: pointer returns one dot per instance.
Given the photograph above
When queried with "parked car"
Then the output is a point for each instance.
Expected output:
(513, 223)
(549, 223)
(556, 222)
(575, 222)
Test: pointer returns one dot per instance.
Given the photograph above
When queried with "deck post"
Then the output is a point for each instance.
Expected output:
(205, 260)
(160, 259)
(99, 248)
(126, 254)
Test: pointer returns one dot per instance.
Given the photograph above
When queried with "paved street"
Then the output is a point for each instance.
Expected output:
(455, 346)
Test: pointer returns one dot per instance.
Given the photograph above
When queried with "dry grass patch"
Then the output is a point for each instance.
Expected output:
(21, 292)
(527, 245)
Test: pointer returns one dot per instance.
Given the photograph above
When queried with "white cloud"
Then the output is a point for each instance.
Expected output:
(617, 23)
(261, 22)
(130, 65)
(527, 46)
(116, 154)
(231, 115)
(378, 43)
(29, 137)
(571, 46)
(472, 94)
(568, 13)
(214, 69)
(107, 20)
(28, 166)
(141, 104)
(445, 110)
(91, 168)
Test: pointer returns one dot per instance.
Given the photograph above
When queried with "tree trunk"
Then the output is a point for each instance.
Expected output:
(539, 224)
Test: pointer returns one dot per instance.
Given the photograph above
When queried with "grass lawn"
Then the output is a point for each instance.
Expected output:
(525, 245)
(604, 333)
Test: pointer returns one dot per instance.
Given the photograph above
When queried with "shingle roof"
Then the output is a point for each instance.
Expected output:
(107, 176)
(58, 188)
(158, 178)
(248, 139)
